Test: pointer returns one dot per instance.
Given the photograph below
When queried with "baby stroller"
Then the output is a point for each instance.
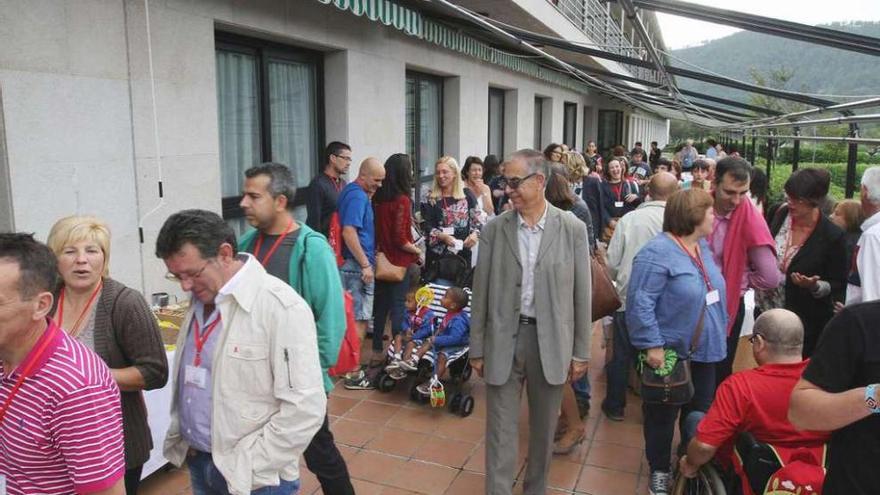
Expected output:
(458, 367)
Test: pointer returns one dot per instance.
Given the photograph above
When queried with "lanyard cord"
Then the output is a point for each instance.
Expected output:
(274, 246)
(75, 329)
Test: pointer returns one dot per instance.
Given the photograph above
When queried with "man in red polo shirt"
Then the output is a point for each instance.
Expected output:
(756, 400)
(60, 416)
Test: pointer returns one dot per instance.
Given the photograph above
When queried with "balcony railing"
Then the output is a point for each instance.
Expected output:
(594, 19)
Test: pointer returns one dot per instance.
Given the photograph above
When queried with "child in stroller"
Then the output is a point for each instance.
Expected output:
(441, 340)
(418, 316)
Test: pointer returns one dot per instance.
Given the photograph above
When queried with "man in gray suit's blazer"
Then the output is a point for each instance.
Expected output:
(530, 320)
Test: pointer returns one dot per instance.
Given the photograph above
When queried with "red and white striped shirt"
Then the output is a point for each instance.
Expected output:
(62, 433)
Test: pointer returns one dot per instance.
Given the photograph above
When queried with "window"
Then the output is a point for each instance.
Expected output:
(496, 122)
(539, 121)
(424, 123)
(609, 132)
(269, 107)
(569, 124)
(6, 221)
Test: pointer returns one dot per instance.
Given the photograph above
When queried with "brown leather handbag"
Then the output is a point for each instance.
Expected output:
(387, 271)
(605, 298)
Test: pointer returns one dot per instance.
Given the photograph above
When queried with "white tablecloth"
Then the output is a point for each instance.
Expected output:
(159, 418)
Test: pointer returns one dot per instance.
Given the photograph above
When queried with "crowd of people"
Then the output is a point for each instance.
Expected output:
(683, 239)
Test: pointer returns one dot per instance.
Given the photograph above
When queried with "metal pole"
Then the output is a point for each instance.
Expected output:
(752, 154)
(796, 153)
(744, 144)
(769, 154)
(851, 159)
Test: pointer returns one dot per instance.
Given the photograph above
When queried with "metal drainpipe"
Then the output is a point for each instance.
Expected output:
(851, 159)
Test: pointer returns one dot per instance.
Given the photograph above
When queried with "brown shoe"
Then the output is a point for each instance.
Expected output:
(561, 428)
(568, 443)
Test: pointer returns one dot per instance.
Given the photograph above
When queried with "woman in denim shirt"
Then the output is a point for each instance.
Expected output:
(673, 277)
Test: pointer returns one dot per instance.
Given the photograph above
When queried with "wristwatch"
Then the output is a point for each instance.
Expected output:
(870, 399)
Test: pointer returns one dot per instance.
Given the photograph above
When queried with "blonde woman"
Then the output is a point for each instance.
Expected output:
(575, 170)
(112, 320)
(450, 213)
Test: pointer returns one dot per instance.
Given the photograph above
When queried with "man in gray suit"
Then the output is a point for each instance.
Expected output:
(530, 320)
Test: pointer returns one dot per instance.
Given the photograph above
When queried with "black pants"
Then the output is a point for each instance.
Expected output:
(133, 479)
(725, 368)
(323, 459)
(659, 426)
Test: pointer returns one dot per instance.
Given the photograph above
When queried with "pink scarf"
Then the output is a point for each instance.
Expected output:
(747, 229)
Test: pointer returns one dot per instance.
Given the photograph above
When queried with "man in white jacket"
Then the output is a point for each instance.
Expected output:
(248, 390)
(633, 231)
(864, 284)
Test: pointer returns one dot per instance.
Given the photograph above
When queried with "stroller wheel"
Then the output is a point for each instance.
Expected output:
(467, 406)
(414, 394)
(466, 373)
(386, 383)
(455, 402)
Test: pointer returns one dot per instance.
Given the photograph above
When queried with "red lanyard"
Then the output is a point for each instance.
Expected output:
(201, 339)
(698, 261)
(74, 329)
(337, 183)
(274, 246)
(37, 357)
(791, 251)
(617, 189)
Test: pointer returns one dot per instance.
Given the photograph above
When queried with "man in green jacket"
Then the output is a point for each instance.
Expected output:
(302, 257)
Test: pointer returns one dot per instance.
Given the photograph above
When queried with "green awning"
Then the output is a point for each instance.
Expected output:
(415, 24)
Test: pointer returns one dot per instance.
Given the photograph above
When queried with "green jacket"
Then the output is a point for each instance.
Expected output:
(317, 280)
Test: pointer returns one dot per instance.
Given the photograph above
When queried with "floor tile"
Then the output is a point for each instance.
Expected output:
(422, 477)
(599, 481)
(627, 434)
(563, 474)
(374, 467)
(396, 442)
(375, 413)
(338, 405)
(613, 456)
(422, 420)
(467, 483)
(445, 451)
(354, 433)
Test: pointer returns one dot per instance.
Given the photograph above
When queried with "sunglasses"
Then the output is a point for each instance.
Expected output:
(514, 182)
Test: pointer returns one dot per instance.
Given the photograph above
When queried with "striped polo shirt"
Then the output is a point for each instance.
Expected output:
(63, 430)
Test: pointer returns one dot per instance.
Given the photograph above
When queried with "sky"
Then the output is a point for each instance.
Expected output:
(679, 32)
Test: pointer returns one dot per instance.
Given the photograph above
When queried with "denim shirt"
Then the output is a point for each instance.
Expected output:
(665, 294)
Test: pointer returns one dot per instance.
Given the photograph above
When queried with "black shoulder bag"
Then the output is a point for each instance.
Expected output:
(676, 388)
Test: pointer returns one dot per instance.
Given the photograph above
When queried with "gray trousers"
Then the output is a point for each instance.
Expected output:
(502, 421)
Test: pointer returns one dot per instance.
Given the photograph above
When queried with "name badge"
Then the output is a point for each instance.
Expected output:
(712, 297)
(2, 484)
(448, 230)
(618, 204)
(195, 375)
(457, 246)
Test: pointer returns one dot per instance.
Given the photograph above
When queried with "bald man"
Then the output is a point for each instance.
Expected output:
(633, 231)
(757, 400)
(359, 250)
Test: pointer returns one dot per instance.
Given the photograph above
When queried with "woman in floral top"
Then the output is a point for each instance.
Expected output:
(450, 213)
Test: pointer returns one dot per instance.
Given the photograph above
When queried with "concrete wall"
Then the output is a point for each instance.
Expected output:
(102, 99)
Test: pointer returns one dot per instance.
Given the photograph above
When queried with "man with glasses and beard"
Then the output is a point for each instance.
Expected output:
(530, 320)
(324, 188)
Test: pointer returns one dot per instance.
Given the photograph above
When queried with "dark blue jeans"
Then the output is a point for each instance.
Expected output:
(389, 298)
(659, 426)
(617, 369)
(206, 479)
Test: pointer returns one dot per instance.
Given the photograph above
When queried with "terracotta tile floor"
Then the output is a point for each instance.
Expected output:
(394, 446)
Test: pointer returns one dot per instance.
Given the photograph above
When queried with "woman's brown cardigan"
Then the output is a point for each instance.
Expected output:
(127, 334)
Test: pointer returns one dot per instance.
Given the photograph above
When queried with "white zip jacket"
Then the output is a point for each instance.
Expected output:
(267, 392)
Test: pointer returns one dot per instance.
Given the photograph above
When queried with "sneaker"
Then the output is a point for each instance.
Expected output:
(397, 374)
(612, 415)
(660, 481)
(583, 408)
(424, 388)
(411, 365)
(392, 366)
(354, 375)
(363, 383)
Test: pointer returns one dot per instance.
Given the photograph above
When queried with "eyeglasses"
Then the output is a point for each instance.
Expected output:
(345, 158)
(514, 182)
(186, 276)
(754, 338)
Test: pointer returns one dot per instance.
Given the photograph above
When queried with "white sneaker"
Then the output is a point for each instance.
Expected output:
(660, 481)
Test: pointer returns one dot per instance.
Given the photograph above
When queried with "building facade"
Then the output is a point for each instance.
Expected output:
(134, 109)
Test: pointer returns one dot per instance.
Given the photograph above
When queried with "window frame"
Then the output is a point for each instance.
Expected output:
(601, 130)
(419, 167)
(265, 52)
(538, 132)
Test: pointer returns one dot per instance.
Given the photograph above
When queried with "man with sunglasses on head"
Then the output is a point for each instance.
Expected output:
(324, 188)
(530, 320)
(248, 391)
(756, 401)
